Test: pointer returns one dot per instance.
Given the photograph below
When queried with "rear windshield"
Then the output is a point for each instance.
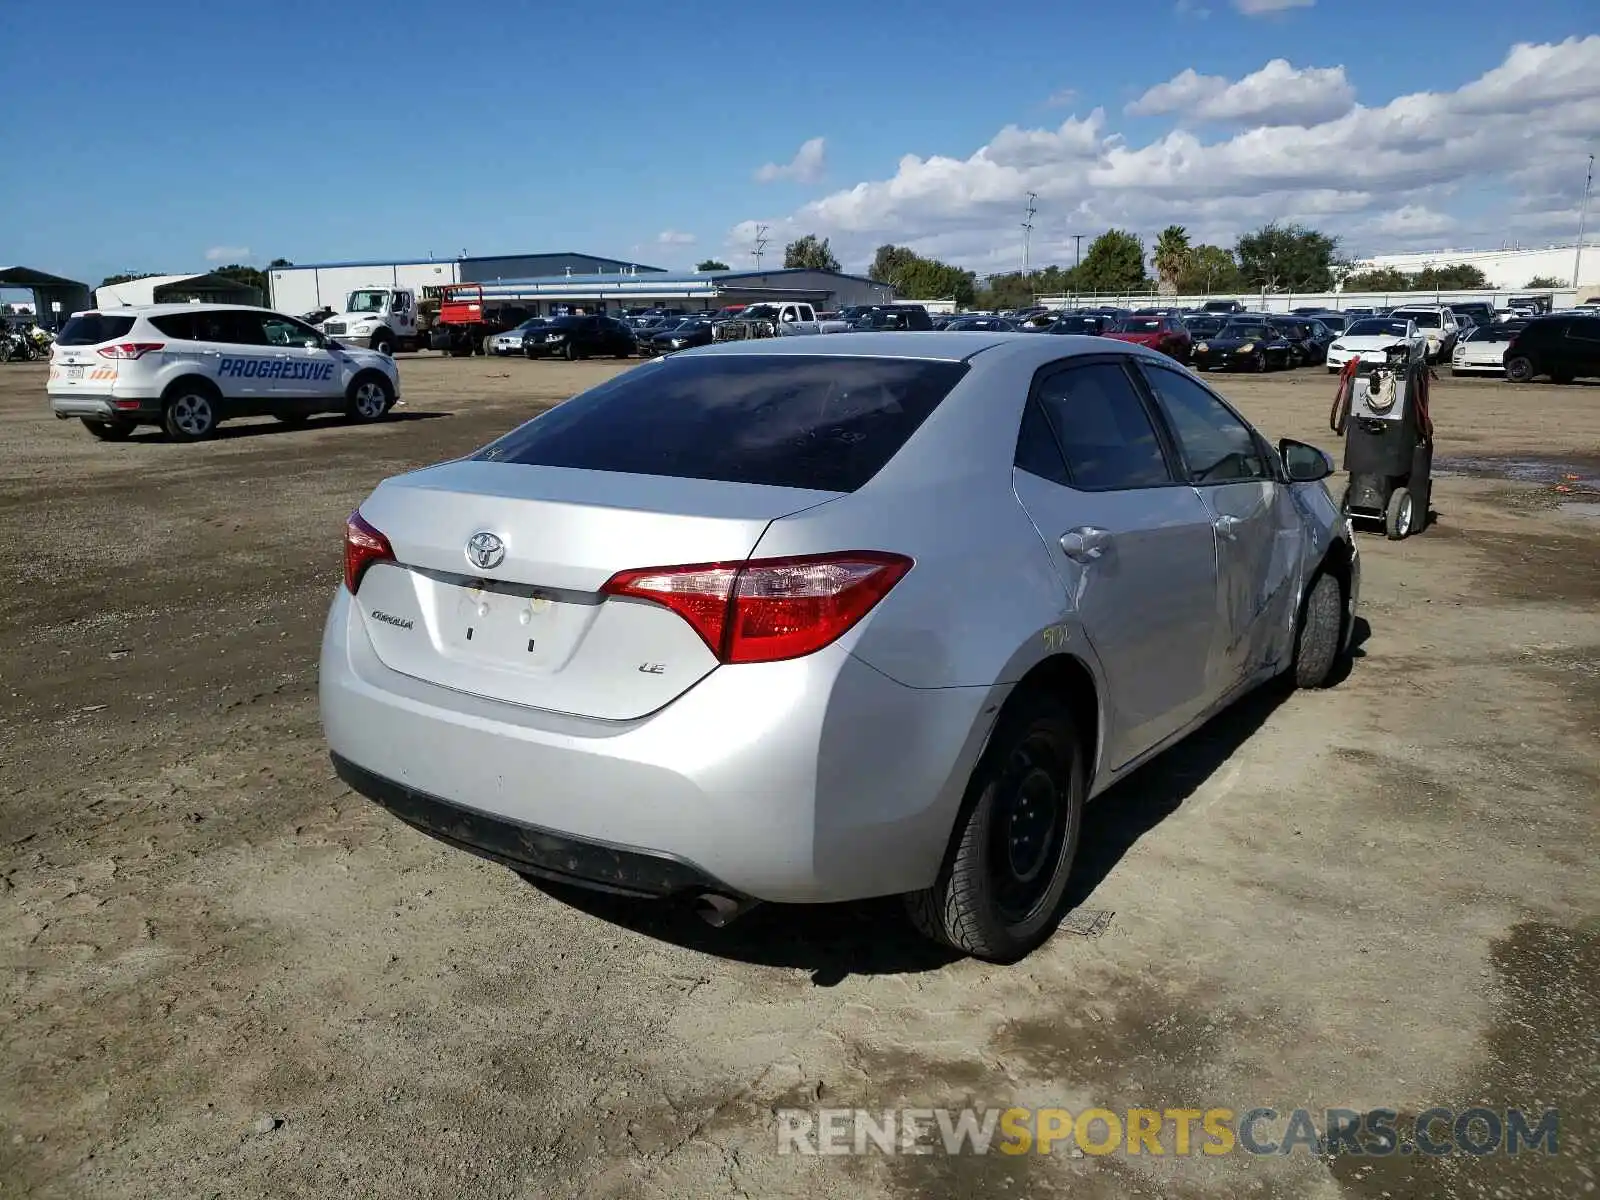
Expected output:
(1423, 320)
(90, 329)
(803, 421)
(1502, 332)
(1140, 325)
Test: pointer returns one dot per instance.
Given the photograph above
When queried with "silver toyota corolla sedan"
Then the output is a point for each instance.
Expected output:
(816, 619)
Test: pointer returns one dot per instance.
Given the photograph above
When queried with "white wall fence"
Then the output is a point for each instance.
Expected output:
(1282, 302)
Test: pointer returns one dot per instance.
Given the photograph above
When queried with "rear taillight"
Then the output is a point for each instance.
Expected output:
(770, 608)
(129, 349)
(363, 546)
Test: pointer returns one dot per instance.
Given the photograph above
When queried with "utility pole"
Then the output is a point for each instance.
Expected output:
(761, 244)
(1583, 216)
(1077, 239)
(1027, 233)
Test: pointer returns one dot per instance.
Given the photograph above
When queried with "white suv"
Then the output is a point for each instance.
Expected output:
(186, 367)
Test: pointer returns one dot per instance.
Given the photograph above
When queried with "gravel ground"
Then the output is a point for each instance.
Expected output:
(228, 976)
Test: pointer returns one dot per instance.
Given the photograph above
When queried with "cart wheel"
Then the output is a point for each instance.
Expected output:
(1397, 520)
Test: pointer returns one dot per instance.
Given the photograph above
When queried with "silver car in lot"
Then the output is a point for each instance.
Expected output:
(816, 619)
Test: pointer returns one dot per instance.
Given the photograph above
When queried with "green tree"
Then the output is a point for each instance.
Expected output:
(1171, 257)
(1287, 258)
(1009, 290)
(1451, 277)
(279, 262)
(809, 251)
(888, 261)
(1545, 281)
(712, 264)
(1208, 270)
(1114, 263)
(1379, 279)
(918, 278)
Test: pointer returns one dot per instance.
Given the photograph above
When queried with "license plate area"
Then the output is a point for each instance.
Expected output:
(74, 371)
(508, 627)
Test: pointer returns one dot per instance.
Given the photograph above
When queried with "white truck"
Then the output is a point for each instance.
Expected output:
(378, 318)
(788, 318)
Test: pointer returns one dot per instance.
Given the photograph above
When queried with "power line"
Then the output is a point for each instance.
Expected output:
(761, 244)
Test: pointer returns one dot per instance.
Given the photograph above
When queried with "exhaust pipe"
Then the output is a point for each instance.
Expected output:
(719, 911)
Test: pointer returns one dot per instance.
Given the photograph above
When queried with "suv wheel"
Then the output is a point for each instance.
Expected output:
(1519, 369)
(999, 891)
(189, 415)
(369, 398)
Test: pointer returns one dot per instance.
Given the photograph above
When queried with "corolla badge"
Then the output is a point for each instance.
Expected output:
(485, 550)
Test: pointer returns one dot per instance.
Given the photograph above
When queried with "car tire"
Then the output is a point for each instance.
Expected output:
(1261, 364)
(189, 413)
(570, 351)
(369, 398)
(382, 342)
(1399, 518)
(1025, 798)
(1320, 633)
(108, 431)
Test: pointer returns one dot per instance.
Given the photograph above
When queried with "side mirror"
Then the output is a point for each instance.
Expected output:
(1303, 462)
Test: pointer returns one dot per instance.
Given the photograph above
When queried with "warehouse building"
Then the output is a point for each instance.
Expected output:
(307, 287)
(549, 294)
(176, 289)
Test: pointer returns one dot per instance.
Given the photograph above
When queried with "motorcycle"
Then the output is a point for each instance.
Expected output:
(17, 347)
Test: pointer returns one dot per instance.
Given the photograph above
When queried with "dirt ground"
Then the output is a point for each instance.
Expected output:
(225, 975)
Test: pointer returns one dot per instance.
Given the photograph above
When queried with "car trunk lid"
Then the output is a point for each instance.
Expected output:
(526, 621)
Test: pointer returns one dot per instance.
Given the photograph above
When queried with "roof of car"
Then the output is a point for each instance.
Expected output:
(938, 345)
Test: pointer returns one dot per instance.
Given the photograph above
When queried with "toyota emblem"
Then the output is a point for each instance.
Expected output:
(485, 550)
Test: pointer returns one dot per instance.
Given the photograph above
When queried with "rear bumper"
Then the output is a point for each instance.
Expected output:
(104, 406)
(817, 779)
(527, 848)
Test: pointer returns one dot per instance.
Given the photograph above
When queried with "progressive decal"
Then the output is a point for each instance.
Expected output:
(274, 368)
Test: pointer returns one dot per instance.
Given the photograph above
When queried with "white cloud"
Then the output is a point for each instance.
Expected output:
(807, 165)
(674, 237)
(1510, 144)
(1411, 222)
(1277, 94)
(228, 253)
(1191, 8)
(1061, 97)
(1260, 8)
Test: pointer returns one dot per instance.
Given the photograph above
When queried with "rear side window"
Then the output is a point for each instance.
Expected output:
(176, 325)
(90, 329)
(803, 421)
(1103, 430)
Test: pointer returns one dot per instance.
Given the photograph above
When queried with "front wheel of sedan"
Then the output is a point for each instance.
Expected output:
(999, 892)
(1317, 641)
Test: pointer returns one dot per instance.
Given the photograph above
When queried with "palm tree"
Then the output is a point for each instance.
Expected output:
(1171, 257)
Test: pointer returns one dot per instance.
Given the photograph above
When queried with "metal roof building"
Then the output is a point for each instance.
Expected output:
(176, 289)
(695, 289)
(306, 287)
(54, 298)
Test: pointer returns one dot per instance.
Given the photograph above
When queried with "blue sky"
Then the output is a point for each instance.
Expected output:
(177, 129)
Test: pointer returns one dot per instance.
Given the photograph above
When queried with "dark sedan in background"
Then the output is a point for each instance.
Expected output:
(1093, 324)
(1244, 344)
(981, 324)
(580, 337)
(680, 335)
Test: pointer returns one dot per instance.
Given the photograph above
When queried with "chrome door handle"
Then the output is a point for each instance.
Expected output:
(1226, 526)
(1085, 543)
